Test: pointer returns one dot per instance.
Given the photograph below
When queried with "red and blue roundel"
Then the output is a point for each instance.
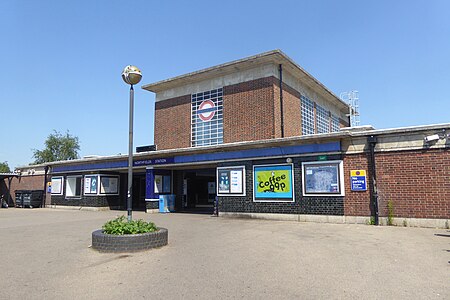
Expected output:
(206, 110)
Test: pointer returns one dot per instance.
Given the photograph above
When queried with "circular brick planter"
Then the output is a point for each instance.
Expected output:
(129, 242)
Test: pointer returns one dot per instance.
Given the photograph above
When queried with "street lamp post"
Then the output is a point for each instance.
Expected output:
(131, 75)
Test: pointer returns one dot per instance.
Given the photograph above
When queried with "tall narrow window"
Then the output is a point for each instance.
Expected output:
(207, 118)
(334, 123)
(73, 186)
(307, 116)
(323, 120)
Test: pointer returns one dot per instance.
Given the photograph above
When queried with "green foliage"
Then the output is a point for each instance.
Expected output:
(4, 168)
(390, 218)
(121, 226)
(405, 223)
(371, 221)
(58, 147)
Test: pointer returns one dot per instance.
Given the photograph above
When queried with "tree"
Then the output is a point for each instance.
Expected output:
(57, 147)
(4, 168)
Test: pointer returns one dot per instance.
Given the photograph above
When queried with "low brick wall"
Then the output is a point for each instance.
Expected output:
(129, 242)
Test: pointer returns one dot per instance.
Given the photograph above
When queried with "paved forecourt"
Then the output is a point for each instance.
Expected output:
(45, 255)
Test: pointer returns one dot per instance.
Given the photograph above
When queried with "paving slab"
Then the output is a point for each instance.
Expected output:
(46, 254)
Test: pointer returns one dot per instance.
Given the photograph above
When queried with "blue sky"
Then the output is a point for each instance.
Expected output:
(62, 60)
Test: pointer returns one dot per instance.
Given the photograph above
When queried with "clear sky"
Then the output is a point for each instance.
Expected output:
(62, 60)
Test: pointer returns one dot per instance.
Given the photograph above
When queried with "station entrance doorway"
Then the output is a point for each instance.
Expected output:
(199, 190)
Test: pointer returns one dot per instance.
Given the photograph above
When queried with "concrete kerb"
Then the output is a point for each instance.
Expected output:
(402, 222)
(85, 208)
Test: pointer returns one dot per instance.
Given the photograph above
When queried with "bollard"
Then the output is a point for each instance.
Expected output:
(216, 207)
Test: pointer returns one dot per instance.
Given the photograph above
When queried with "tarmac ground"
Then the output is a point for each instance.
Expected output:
(46, 254)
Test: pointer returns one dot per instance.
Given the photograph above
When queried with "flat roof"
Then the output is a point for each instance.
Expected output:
(274, 56)
(270, 143)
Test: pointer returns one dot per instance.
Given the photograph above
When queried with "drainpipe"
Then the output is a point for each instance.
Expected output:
(280, 69)
(44, 196)
(372, 141)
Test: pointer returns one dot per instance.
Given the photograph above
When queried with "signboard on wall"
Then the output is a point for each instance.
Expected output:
(90, 184)
(323, 178)
(273, 183)
(358, 180)
(231, 181)
(109, 185)
(56, 186)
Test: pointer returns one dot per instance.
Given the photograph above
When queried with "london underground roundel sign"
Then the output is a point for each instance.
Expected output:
(206, 110)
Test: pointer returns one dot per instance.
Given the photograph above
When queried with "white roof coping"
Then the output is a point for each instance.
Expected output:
(274, 56)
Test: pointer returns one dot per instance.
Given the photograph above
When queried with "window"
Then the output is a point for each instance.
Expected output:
(323, 120)
(207, 118)
(323, 178)
(57, 185)
(335, 126)
(163, 184)
(73, 186)
(307, 116)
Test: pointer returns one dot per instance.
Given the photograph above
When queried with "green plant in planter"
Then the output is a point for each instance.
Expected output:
(121, 226)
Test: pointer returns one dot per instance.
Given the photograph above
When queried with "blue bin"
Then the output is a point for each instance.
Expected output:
(163, 204)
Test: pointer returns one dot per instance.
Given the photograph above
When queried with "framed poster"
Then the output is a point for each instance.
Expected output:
(231, 181)
(109, 184)
(90, 184)
(273, 183)
(323, 178)
(57, 186)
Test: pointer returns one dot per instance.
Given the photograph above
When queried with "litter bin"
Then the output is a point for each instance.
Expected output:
(163, 204)
(19, 198)
(29, 198)
(166, 203)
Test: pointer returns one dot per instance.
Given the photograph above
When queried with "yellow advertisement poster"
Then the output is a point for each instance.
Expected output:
(273, 181)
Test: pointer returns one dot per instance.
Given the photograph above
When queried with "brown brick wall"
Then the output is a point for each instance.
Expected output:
(173, 114)
(291, 111)
(35, 182)
(251, 112)
(248, 110)
(356, 203)
(418, 184)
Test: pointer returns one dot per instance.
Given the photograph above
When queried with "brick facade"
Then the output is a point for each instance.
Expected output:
(248, 110)
(111, 201)
(32, 182)
(292, 115)
(251, 112)
(356, 203)
(173, 123)
(302, 205)
(417, 183)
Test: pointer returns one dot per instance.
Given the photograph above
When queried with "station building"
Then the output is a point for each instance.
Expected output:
(269, 141)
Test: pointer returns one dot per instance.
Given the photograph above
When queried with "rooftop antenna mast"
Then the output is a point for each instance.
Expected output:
(352, 100)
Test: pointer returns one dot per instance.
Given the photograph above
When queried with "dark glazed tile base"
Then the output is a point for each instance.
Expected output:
(129, 242)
